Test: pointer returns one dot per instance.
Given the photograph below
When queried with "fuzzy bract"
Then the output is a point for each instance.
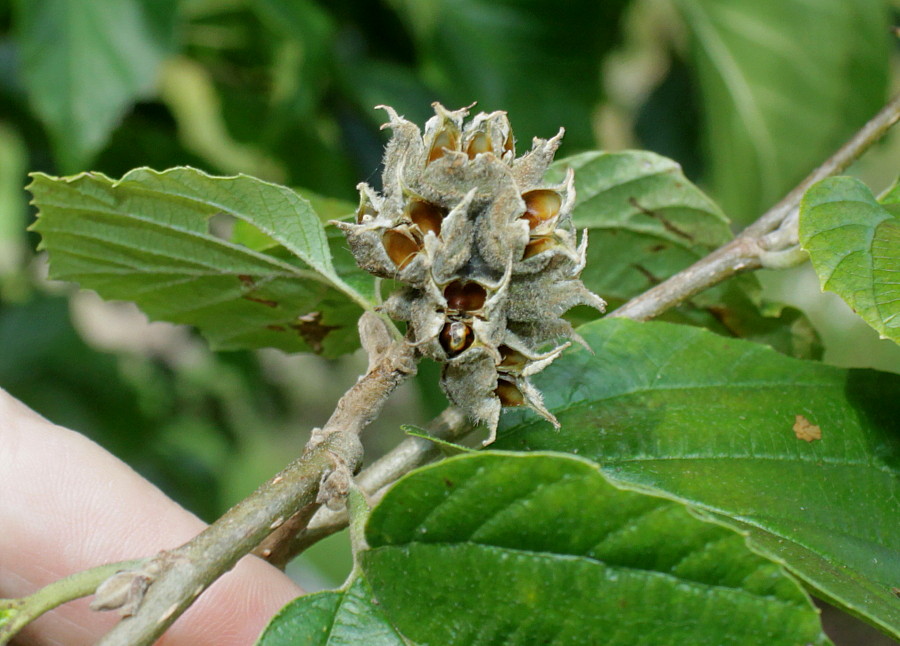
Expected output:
(485, 250)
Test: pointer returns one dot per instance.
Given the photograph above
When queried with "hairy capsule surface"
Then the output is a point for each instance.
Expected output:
(485, 250)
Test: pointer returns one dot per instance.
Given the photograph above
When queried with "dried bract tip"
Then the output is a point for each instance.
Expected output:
(486, 252)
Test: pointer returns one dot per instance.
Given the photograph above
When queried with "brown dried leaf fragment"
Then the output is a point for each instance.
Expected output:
(805, 430)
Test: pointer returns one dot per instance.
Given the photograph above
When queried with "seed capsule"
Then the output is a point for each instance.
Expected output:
(541, 205)
(465, 297)
(508, 393)
(426, 216)
(536, 245)
(401, 247)
(448, 139)
(511, 360)
(480, 143)
(456, 337)
(486, 293)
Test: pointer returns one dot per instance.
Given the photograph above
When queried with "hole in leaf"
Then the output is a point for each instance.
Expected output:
(509, 145)
(479, 143)
(366, 208)
(221, 225)
(448, 138)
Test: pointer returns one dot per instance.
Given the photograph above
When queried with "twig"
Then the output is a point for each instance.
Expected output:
(412, 452)
(15, 614)
(320, 473)
(770, 241)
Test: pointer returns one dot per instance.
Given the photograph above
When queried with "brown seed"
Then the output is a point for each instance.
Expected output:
(447, 138)
(480, 143)
(511, 360)
(536, 245)
(426, 216)
(541, 205)
(465, 297)
(509, 393)
(401, 247)
(456, 337)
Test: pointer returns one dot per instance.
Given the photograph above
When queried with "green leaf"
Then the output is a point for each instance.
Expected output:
(519, 56)
(340, 618)
(646, 222)
(718, 423)
(494, 548)
(189, 93)
(151, 237)
(84, 63)
(854, 245)
(784, 83)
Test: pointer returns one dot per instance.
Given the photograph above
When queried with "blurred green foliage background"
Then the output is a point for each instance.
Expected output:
(748, 95)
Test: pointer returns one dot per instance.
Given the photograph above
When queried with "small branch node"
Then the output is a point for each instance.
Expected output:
(335, 484)
(124, 591)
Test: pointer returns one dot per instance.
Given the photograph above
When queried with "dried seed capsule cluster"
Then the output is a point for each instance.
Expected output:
(485, 249)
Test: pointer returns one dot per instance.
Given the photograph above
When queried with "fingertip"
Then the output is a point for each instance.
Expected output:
(69, 505)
